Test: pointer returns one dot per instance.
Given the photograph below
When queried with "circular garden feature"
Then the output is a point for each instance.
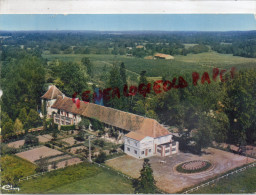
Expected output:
(194, 166)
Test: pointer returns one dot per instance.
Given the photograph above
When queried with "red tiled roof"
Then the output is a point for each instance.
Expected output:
(113, 117)
(135, 135)
(52, 93)
(161, 55)
(67, 104)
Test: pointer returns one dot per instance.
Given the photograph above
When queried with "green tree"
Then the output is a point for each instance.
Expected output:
(143, 78)
(123, 74)
(240, 106)
(114, 82)
(72, 77)
(87, 63)
(7, 128)
(22, 85)
(146, 182)
(23, 117)
(33, 119)
(18, 126)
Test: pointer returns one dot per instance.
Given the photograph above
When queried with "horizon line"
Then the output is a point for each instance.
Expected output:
(129, 30)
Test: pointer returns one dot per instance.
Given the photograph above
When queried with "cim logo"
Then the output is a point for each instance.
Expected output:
(9, 187)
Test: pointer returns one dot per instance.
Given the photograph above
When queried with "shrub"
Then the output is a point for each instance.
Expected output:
(31, 140)
(84, 124)
(42, 165)
(80, 136)
(67, 127)
(101, 158)
(112, 151)
(100, 143)
(54, 165)
(97, 125)
(47, 145)
(7, 150)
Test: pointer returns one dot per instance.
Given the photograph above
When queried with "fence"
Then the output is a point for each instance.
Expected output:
(217, 179)
(41, 173)
(108, 168)
(97, 164)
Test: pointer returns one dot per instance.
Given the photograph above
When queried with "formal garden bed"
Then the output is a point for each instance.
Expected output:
(194, 166)
(37, 153)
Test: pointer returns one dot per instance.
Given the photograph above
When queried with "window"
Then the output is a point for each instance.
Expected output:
(167, 151)
(142, 152)
(135, 151)
(160, 151)
(149, 150)
(174, 149)
(128, 149)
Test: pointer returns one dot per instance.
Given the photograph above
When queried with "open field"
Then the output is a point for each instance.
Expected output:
(155, 68)
(168, 179)
(243, 182)
(188, 45)
(79, 179)
(35, 154)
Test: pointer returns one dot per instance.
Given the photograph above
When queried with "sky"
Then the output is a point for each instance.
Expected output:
(129, 22)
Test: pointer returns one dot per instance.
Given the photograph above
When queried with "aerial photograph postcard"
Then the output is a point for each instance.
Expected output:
(128, 103)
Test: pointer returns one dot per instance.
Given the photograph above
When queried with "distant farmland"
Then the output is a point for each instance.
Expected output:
(155, 68)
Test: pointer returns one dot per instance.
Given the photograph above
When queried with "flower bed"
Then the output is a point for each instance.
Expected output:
(194, 166)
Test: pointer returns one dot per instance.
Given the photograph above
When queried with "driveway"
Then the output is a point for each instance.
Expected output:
(168, 179)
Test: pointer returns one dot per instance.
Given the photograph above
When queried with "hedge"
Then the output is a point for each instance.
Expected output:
(67, 127)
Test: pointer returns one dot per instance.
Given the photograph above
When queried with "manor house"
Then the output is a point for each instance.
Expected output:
(143, 137)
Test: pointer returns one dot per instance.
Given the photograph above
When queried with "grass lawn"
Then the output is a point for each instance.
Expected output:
(14, 168)
(79, 179)
(243, 182)
(103, 182)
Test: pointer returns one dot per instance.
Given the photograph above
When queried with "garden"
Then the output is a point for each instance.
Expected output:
(194, 166)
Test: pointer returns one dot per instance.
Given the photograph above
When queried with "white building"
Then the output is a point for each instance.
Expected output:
(144, 136)
(145, 144)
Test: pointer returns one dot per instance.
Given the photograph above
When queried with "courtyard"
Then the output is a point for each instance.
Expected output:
(171, 181)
